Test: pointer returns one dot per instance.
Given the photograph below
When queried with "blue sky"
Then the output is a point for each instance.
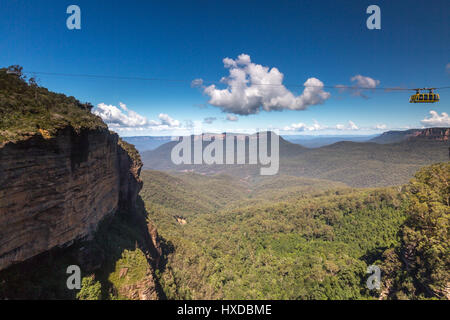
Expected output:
(187, 40)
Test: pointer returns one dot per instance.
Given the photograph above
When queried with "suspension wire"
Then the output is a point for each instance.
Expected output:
(341, 87)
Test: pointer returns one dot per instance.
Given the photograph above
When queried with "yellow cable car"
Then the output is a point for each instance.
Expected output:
(429, 97)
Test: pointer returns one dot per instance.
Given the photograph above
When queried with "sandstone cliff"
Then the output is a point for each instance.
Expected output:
(437, 134)
(61, 171)
(54, 191)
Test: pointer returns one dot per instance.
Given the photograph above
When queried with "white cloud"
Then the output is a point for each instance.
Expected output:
(360, 84)
(303, 127)
(349, 126)
(340, 127)
(365, 82)
(436, 120)
(295, 127)
(123, 106)
(209, 120)
(125, 119)
(380, 127)
(168, 121)
(252, 87)
(231, 117)
(120, 117)
(352, 125)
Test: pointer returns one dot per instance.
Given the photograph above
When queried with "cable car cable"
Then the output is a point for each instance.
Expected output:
(343, 87)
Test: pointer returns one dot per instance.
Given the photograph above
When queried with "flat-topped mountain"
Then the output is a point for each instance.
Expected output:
(435, 134)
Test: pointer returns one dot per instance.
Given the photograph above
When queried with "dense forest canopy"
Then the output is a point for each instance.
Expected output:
(315, 244)
(420, 265)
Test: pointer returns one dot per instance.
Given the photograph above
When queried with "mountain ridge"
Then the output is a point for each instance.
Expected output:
(357, 164)
(435, 133)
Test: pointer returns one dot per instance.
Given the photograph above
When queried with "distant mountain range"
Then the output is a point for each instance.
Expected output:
(145, 143)
(357, 164)
(320, 141)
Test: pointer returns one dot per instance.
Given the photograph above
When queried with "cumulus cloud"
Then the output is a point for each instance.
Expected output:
(360, 85)
(120, 116)
(231, 117)
(380, 127)
(316, 126)
(123, 106)
(349, 126)
(365, 82)
(209, 120)
(168, 121)
(436, 120)
(252, 87)
(304, 127)
(124, 119)
(352, 125)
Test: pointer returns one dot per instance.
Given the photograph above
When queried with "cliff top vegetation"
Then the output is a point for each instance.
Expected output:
(26, 109)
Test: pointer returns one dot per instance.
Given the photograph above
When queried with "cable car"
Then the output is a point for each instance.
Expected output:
(429, 97)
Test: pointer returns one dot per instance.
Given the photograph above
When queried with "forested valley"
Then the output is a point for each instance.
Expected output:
(286, 237)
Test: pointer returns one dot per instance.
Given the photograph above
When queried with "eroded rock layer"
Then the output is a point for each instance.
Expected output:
(54, 191)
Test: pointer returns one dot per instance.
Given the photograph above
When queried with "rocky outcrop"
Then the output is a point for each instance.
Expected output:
(435, 134)
(143, 290)
(55, 190)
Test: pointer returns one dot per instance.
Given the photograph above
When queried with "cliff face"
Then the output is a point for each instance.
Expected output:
(130, 183)
(55, 190)
(435, 134)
